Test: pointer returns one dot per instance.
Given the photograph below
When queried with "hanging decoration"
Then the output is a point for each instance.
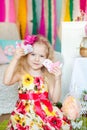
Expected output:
(54, 22)
(42, 21)
(12, 12)
(49, 21)
(67, 11)
(85, 16)
(76, 9)
(2, 10)
(6, 10)
(22, 17)
(29, 16)
(63, 10)
(35, 25)
(83, 5)
(71, 10)
(16, 4)
(46, 16)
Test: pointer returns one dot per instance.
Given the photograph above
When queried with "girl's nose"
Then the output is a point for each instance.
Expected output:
(37, 58)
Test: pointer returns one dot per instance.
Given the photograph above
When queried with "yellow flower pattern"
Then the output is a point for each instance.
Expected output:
(32, 111)
(48, 112)
(27, 80)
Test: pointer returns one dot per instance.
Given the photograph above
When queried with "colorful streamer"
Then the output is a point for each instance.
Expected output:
(71, 10)
(35, 25)
(63, 10)
(22, 17)
(49, 22)
(2, 10)
(76, 9)
(6, 10)
(16, 3)
(83, 5)
(54, 23)
(29, 16)
(85, 17)
(67, 11)
(46, 16)
(42, 21)
(12, 11)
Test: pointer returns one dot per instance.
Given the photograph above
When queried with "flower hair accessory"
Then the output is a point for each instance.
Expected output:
(27, 43)
(27, 48)
(30, 39)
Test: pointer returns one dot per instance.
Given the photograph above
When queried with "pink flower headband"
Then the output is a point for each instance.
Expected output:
(30, 39)
(27, 44)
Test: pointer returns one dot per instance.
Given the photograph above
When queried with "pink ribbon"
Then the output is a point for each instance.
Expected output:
(38, 99)
(30, 39)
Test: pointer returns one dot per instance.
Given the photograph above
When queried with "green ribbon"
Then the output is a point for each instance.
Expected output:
(71, 10)
(49, 22)
(35, 25)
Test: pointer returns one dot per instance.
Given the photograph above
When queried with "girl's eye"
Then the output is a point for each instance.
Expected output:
(32, 54)
(41, 56)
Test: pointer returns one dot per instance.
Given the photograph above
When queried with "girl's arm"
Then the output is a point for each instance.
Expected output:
(55, 85)
(11, 76)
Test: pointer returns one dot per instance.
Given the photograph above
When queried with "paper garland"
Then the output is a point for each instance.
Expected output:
(76, 9)
(12, 11)
(22, 17)
(71, 10)
(82, 5)
(54, 23)
(2, 10)
(48, 21)
(42, 21)
(29, 16)
(35, 25)
(67, 11)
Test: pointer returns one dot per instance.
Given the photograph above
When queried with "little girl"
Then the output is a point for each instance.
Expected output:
(34, 110)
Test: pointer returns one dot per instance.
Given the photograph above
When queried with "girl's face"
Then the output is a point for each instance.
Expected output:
(36, 58)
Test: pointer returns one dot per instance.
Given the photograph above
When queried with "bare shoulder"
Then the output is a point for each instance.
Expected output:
(19, 75)
(16, 78)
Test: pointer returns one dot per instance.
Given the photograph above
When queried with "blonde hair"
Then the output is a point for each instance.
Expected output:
(22, 63)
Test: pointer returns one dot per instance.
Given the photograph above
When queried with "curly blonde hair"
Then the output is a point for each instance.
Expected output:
(22, 63)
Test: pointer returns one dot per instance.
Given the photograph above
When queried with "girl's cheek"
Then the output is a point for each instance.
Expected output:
(43, 60)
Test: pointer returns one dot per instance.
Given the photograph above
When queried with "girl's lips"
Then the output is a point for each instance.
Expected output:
(36, 64)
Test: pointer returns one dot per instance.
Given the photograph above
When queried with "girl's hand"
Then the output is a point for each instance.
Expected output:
(19, 53)
(56, 71)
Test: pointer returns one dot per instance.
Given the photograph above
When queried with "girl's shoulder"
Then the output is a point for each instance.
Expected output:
(20, 75)
(24, 77)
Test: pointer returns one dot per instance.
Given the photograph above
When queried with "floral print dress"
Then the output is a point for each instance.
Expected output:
(33, 110)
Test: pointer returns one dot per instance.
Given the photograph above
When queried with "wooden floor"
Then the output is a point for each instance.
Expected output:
(4, 117)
